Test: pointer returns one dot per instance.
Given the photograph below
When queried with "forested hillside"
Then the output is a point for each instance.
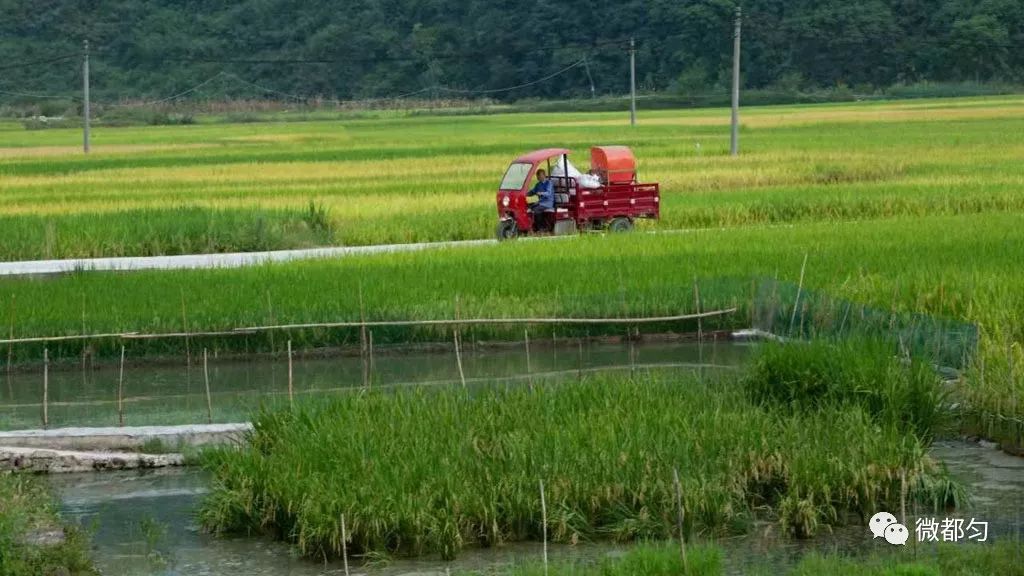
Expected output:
(380, 48)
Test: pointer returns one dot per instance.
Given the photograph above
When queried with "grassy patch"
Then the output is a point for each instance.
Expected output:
(424, 472)
(26, 511)
(664, 560)
(945, 560)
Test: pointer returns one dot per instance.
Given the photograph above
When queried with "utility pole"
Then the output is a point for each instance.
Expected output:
(632, 82)
(735, 147)
(85, 99)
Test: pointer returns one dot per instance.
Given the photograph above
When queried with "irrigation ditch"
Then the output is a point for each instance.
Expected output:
(571, 373)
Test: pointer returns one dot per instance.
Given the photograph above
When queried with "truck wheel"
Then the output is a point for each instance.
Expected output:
(620, 224)
(507, 230)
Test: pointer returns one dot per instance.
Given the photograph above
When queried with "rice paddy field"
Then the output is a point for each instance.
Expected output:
(419, 178)
(906, 207)
(909, 206)
(607, 449)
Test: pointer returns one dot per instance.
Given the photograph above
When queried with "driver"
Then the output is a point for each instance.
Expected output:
(544, 190)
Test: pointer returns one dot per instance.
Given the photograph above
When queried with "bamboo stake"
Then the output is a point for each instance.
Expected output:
(291, 387)
(270, 314)
(632, 353)
(458, 344)
(120, 391)
(458, 359)
(10, 353)
(696, 301)
(344, 545)
(700, 331)
(1013, 378)
(363, 339)
(544, 525)
(84, 348)
(188, 388)
(371, 363)
(209, 400)
(362, 356)
(46, 387)
(799, 290)
(680, 517)
(184, 326)
(579, 363)
(529, 368)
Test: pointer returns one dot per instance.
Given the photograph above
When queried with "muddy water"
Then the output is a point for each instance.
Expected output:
(144, 524)
(176, 394)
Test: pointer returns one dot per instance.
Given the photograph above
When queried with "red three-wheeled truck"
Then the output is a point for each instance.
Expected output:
(608, 197)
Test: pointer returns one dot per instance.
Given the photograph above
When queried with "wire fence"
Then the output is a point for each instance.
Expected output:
(791, 311)
(193, 376)
(211, 387)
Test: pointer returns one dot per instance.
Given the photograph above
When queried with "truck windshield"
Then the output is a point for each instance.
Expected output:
(516, 176)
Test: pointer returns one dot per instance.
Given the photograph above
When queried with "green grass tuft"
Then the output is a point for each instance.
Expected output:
(418, 472)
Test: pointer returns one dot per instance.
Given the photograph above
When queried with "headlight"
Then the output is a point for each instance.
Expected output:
(505, 201)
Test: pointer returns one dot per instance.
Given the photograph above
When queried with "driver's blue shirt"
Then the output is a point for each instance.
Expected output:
(545, 193)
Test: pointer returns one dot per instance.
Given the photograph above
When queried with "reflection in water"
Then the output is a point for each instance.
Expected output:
(176, 395)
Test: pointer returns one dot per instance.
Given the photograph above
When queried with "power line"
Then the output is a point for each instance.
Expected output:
(330, 100)
(372, 59)
(41, 96)
(224, 74)
(39, 62)
(300, 98)
(517, 86)
(173, 96)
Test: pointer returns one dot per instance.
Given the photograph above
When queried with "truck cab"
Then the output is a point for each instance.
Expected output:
(607, 197)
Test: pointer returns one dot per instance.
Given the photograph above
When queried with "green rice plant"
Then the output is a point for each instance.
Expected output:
(418, 472)
(806, 376)
(994, 394)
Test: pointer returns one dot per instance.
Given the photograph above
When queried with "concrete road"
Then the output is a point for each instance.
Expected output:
(229, 260)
